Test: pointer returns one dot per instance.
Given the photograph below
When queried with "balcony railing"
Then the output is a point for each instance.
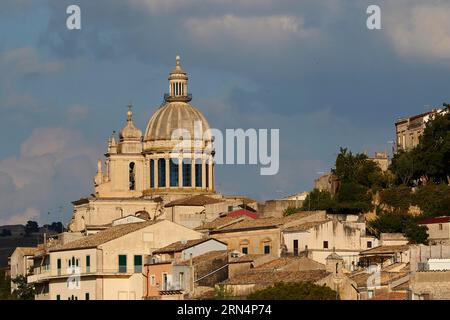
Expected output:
(184, 98)
(81, 272)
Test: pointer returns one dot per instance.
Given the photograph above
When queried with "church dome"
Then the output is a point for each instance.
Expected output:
(173, 116)
(176, 115)
(130, 132)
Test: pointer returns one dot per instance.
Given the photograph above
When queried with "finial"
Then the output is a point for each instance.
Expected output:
(177, 58)
(129, 113)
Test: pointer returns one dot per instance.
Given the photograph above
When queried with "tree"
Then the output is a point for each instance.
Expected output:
(5, 233)
(5, 286)
(294, 291)
(317, 200)
(31, 226)
(433, 200)
(404, 166)
(401, 223)
(24, 291)
(433, 151)
(352, 198)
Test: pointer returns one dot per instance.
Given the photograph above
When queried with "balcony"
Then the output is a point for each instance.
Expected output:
(78, 272)
(185, 98)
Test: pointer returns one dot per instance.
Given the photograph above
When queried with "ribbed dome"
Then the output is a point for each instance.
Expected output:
(130, 132)
(173, 116)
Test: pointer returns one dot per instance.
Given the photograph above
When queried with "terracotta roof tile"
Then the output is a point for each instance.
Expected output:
(205, 257)
(391, 296)
(107, 235)
(269, 277)
(385, 250)
(198, 200)
(181, 245)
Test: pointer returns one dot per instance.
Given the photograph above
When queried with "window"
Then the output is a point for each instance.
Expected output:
(58, 297)
(325, 244)
(87, 296)
(58, 266)
(132, 176)
(266, 248)
(369, 244)
(187, 173)
(122, 263)
(230, 208)
(173, 165)
(164, 281)
(152, 173)
(198, 173)
(161, 173)
(88, 263)
(244, 250)
(152, 280)
(137, 264)
(440, 226)
(295, 245)
(181, 280)
(207, 175)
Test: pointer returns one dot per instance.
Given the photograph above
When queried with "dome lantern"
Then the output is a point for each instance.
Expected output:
(178, 89)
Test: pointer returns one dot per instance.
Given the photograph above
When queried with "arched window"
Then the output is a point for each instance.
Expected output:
(173, 172)
(161, 173)
(152, 173)
(198, 173)
(187, 173)
(132, 176)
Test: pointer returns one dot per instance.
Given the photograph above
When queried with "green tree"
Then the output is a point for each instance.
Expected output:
(290, 210)
(294, 291)
(31, 226)
(405, 166)
(317, 200)
(400, 223)
(24, 291)
(5, 286)
(433, 200)
(433, 151)
(398, 198)
(352, 198)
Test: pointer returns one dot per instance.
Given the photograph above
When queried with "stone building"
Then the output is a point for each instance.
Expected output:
(290, 269)
(438, 229)
(107, 265)
(21, 261)
(144, 171)
(328, 182)
(185, 269)
(381, 159)
(408, 130)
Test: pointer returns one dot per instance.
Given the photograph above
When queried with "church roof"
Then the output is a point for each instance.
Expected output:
(197, 200)
(176, 115)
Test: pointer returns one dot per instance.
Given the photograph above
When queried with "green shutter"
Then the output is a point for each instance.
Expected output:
(88, 261)
(137, 264)
(122, 263)
(58, 262)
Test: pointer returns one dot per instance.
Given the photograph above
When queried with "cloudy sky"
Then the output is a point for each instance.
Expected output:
(310, 68)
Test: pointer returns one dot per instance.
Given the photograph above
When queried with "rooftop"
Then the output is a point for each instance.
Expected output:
(197, 200)
(211, 255)
(102, 237)
(443, 219)
(182, 245)
(268, 277)
(385, 250)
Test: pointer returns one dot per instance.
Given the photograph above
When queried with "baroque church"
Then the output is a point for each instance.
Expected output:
(155, 174)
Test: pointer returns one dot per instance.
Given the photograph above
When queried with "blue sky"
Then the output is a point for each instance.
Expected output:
(309, 68)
